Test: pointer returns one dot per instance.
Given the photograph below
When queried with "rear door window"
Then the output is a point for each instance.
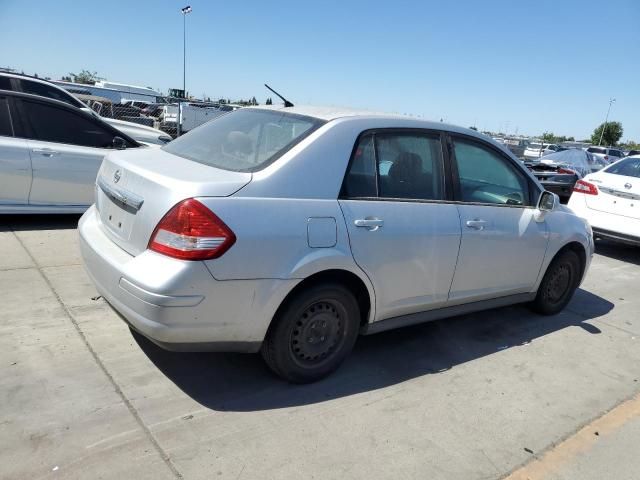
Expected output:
(6, 128)
(54, 124)
(409, 166)
(44, 90)
(396, 165)
(5, 83)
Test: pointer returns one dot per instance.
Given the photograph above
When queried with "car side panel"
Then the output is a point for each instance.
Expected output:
(272, 238)
(63, 174)
(15, 171)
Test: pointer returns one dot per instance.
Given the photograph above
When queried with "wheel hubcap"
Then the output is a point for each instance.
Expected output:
(317, 333)
(559, 283)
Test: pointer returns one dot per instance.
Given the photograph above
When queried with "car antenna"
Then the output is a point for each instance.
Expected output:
(287, 103)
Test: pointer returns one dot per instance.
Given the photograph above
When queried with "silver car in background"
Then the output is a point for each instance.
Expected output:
(289, 231)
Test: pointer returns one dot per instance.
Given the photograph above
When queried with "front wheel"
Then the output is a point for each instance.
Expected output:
(312, 334)
(558, 284)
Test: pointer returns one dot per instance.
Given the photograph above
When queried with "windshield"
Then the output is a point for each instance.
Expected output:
(246, 140)
(535, 146)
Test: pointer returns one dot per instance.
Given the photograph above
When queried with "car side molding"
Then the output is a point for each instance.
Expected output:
(445, 312)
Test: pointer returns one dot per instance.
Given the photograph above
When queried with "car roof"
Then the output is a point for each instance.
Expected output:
(338, 113)
(28, 77)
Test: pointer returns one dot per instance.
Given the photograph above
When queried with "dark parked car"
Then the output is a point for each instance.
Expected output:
(559, 171)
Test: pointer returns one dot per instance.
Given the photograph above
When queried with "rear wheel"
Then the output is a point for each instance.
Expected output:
(558, 284)
(312, 334)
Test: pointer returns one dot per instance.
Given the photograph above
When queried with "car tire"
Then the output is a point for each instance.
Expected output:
(559, 283)
(312, 334)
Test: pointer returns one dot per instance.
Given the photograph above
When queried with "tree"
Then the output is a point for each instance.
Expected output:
(612, 134)
(254, 101)
(269, 101)
(86, 77)
(548, 137)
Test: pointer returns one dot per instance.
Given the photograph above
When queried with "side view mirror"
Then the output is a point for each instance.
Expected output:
(119, 143)
(547, 202)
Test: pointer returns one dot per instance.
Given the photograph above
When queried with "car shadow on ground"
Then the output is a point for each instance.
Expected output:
(240, 382)
(38, 222)
(618, 251)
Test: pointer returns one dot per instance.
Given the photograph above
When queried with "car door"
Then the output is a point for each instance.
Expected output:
(402, 233)
(15, 163)
(66, 148)
(502, 245)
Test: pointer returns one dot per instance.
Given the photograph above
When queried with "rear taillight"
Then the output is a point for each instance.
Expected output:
(190, 231)
(606, 157)
(567, 171)
(587, 188)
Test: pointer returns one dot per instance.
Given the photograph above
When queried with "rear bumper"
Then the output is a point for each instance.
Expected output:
(619, 237)
(178, 304)
(607, 225)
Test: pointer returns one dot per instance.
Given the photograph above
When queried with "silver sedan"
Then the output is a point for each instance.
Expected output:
(290, 231)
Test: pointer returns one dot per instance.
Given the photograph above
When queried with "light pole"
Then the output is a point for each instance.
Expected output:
(186, 10)
(604, 127)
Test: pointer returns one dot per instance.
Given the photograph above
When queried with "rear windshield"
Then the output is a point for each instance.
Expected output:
(535, 146)
(602, 151)
(246, 140)
(629, 167)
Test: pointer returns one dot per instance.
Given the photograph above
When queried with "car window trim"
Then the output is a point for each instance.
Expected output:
(29, 132)
(531, 187)
(426, 132)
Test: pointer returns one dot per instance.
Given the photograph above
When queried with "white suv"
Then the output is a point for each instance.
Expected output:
(609, 155)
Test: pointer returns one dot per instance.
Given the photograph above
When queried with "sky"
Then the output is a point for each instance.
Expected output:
(514, 66)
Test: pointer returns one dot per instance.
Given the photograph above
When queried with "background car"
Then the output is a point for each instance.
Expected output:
(610, 201)
(559, 171)
(50, 153)
(632, 153)
(607, 154)
(537, 150)
(36, 86)
(289, 207)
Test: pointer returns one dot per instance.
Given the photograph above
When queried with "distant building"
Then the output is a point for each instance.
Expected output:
(116, 92)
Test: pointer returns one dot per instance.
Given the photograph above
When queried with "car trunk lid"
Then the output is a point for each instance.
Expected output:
(135, 189)
(617, 194)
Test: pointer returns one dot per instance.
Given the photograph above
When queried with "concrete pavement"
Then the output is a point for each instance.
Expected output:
(473, 397)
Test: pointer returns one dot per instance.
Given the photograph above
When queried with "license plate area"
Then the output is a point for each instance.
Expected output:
(116, 217)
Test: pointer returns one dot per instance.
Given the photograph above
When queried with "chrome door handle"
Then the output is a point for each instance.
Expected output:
(47, 152)
(371, 223)
(476, 224)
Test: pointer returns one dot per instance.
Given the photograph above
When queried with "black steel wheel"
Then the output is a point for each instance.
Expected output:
(558, 284)
(312, 334)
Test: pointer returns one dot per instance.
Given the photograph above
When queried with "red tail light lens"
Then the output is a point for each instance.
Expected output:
(587, 188)
(190, 231)
(566, 170)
